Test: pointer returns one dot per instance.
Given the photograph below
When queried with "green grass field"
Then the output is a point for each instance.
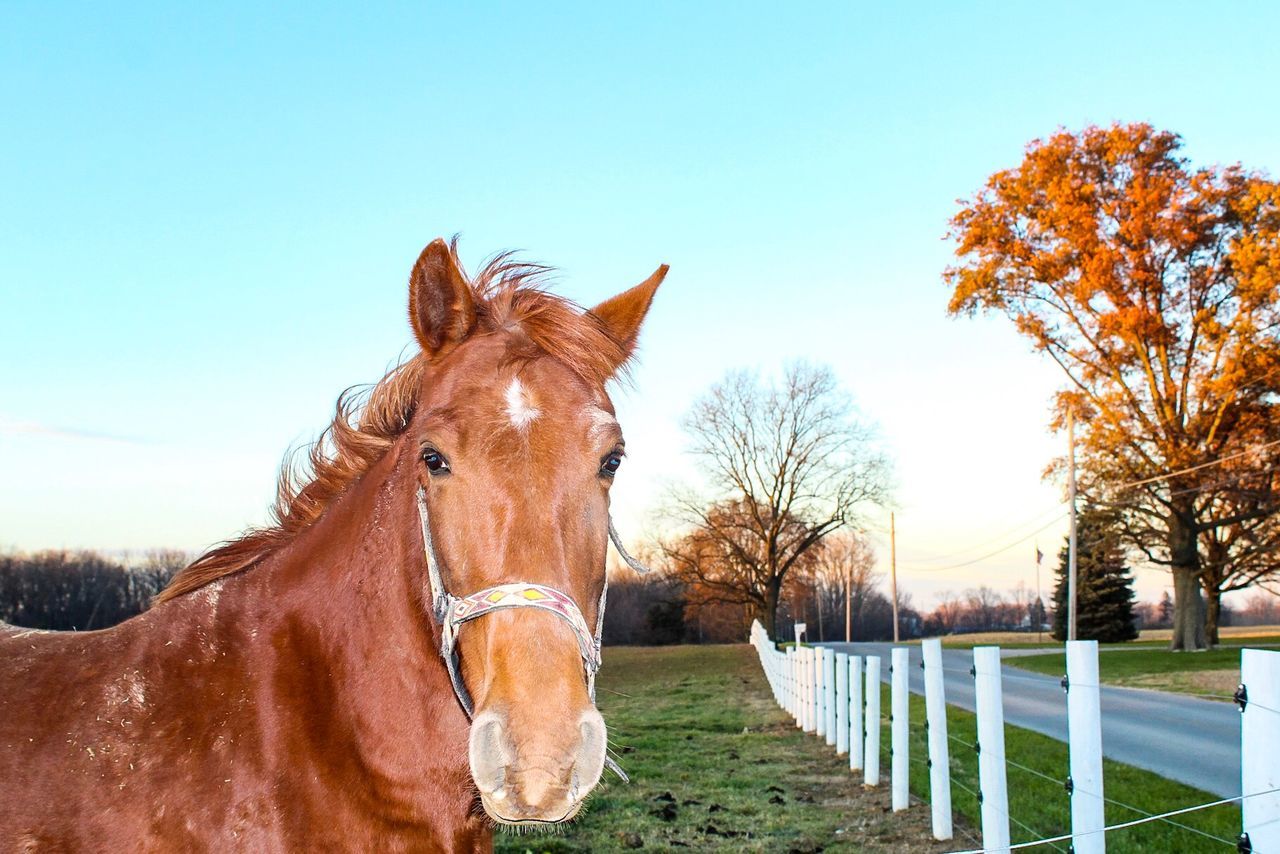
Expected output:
(1039, 807)
(717, 766)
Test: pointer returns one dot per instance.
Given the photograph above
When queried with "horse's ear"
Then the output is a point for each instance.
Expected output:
(441, 307)
(623, 314)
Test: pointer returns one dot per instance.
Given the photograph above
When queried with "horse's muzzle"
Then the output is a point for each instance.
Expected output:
(536, 778)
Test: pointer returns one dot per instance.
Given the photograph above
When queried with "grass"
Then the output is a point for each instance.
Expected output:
(1212, 673)
(717, 766)
(1040, 807)
(1229, 636)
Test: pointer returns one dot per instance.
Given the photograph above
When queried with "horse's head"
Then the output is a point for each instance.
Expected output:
(516, 446)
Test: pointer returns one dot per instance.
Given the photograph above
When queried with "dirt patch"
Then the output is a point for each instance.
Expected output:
(1212, 684)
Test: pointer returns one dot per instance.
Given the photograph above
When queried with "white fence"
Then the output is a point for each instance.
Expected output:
(837, 697)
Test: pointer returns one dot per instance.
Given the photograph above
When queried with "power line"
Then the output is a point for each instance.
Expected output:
(992, 539)
(1235, 478)
(992, 554)
(1190, 469)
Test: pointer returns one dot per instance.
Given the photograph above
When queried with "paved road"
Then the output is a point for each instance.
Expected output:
(1193, 741)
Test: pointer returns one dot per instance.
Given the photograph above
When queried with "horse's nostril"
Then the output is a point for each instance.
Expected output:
(489, 753)
(590, 759)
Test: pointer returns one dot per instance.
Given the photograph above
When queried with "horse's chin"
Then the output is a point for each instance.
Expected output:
(494, 811)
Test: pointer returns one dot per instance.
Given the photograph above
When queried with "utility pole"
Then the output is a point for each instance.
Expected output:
(817, 597)
(893, 573)
(848, 603)
(1071, 537)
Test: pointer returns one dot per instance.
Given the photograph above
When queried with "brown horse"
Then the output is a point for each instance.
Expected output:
(288, 690)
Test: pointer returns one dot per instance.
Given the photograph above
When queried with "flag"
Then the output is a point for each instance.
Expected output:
(1039, 556)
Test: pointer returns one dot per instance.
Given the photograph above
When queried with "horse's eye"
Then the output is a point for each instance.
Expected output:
(609, 466)
(435, 461)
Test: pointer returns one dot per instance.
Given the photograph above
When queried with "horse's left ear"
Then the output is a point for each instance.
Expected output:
(441, 307)
(623, 314)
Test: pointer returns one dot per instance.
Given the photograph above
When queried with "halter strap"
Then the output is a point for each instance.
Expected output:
(452, 611)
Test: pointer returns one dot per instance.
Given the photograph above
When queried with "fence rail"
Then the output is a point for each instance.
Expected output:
(837, 697)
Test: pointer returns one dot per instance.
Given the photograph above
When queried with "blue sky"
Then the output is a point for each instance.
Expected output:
(209, 212)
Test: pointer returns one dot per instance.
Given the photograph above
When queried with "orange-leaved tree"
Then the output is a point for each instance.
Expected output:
(1156, 287)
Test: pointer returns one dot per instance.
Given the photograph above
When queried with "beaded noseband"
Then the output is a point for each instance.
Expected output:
(452, 611)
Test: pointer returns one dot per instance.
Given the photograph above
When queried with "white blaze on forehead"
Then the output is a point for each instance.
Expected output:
(521, 411)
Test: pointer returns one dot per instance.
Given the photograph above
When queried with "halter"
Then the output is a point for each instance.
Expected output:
(452, 611)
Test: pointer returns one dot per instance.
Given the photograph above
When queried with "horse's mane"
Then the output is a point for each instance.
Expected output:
(509, 295)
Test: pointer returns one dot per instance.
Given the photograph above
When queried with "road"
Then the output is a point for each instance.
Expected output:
(1193, 741)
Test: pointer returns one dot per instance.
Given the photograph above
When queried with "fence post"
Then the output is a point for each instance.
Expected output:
(842, 703)
(775, 677)
(802, 688)
(900, 669)
(1259, 696)
(855, 713)
(793, 670)
(784, 671)
(829, 702)
(991, 768)
(811, 680)
(799, 666)
(791, 681)
(790, 667)
(1084, 740)
(935, 704)
(820, 692)
(871, 723)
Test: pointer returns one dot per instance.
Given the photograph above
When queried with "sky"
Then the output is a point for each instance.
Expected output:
(209, 212)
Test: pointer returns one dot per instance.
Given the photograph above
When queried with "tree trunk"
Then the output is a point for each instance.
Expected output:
(1213, 612)
(1188, 604)
(770, 614)
(1188, 613)
(848, 607)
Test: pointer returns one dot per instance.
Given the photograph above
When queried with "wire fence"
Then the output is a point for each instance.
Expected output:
(820, 686)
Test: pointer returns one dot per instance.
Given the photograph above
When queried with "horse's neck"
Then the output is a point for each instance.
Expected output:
(341, 618)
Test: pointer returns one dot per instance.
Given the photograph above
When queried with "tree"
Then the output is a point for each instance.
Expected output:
(843, 575)
(722, 561)
(1164, 610)
(786, 464)
(1246, 550)
(1156, 288)
(64, 590)
(1104, 587)
(1262, 609)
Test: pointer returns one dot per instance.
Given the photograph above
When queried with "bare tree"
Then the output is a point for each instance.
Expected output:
(844, 576)
(787, 464)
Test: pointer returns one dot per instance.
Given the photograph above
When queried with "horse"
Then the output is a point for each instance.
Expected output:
(357, 674)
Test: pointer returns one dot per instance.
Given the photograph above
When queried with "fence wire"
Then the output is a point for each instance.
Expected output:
(1067, 837)
(1053, 841)
(977, 796)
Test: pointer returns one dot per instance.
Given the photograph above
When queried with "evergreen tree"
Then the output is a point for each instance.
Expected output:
(1104, 587)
